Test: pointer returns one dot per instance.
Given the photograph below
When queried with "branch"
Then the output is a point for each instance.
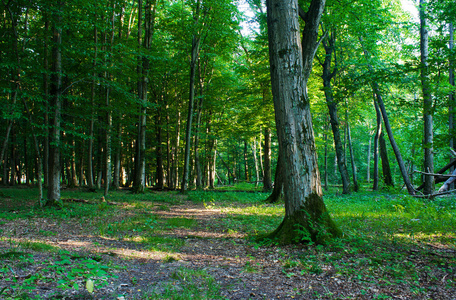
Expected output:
(435, 195)
(434, 174)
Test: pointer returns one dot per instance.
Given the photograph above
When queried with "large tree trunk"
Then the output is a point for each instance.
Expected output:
(306, 218)
(53, 192)
(427, 103)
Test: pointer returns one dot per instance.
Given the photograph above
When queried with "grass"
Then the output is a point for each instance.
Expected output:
(389, 239)
(188, 284)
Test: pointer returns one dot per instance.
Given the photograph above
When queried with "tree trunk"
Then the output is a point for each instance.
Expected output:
(325, 137)
(451, 96)
(255, 158)
(46, 99)
(199, 172)
(376, 139)
(352, 156)
(194, 58)
(387, 177)
(381, 105)
(327, 75)
(427, 103)
(53, 193)
(90, 172)
(369, 153)
(118, 157)
(306, 218)
(267, 180)
(159, 172)
(277, 192)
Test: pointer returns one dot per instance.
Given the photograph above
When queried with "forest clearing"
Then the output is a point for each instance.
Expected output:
(227, 149)
(164, 245)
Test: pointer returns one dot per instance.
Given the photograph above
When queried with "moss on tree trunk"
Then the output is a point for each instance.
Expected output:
(310, 224)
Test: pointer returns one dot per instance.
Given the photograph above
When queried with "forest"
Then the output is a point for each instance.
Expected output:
(227, 149)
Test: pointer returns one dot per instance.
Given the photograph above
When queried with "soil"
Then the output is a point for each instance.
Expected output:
(243, 269)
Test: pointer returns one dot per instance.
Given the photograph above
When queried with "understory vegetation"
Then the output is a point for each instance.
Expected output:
(393, 245)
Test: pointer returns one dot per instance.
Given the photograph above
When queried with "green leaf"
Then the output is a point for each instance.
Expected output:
(89, 285)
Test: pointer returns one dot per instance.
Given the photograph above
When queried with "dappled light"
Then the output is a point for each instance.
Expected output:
(161, 243)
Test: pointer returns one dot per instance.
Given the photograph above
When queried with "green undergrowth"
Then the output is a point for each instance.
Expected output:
(390, 240)
(60, 272)
(188, 284)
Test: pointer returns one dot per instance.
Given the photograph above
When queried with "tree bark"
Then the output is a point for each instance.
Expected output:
(427, 103)
(277, 192)
(90, 173)
(267, 180)
(387, 177)
(306, 218)
(352, 156)
(255, 159)
(53, 192)
(451, 96)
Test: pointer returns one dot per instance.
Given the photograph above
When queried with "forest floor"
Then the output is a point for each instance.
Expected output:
(170, 246)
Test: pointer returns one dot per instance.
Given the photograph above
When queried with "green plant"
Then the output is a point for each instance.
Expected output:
(66, 272)
(188, 284)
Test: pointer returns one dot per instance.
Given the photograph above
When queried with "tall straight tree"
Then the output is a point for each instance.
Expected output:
(196, 41)
(53, 192)
(427, 102)
(306, 218)
(149, 27)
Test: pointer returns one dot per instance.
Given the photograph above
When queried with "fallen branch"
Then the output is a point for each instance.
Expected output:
(94, 202)
(435, 195)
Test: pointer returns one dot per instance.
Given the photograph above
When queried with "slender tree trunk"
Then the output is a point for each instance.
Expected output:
(46, 97)
(37, 153)
(53, 193)
(376, 139)
(325, 137)
(369, 154)
(107, 139)
(255, 159)
(277, 191)
(451, 97)
(176, 151)
(381, 105)
(90, 157)
(199, 173)
(193, 64)
(290, 70)
(118, 157)
(387, 177)
(267, 180)
(427, 103)
(352, 157)
(327, 75)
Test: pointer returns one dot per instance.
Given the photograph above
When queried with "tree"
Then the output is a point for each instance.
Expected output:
(53, 193)
(327, 76)
(306, 216)
(427, 102)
